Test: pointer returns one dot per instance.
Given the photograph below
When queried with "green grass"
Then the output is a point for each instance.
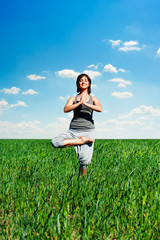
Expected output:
(41, 196)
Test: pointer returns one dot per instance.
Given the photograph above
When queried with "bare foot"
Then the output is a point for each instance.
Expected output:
(86, 140)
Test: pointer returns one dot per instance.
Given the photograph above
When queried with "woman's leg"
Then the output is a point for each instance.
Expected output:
(77, 141)
(82, 171)
(84, 154)
(69, 139)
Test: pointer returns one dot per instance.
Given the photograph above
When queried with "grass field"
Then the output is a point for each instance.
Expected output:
(41, 196)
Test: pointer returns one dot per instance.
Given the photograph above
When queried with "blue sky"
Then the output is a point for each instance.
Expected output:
(44, 45)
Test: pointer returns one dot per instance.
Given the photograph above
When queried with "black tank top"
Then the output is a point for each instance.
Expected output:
(82, 117)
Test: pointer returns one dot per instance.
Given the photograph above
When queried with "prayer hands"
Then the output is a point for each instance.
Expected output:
(83, 99)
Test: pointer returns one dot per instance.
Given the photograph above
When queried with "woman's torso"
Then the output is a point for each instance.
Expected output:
(82, 117)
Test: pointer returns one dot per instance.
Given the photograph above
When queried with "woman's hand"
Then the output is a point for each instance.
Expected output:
(70, 105)
(83, 99)
(96, 107)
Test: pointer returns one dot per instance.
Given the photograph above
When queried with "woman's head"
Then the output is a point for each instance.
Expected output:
(86, 78)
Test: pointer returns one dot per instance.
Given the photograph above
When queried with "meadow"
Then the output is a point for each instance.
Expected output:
(42, 197)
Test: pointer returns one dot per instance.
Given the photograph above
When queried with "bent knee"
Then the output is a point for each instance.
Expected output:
(57, 144)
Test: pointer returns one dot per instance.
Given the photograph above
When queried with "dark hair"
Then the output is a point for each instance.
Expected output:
(79, 78)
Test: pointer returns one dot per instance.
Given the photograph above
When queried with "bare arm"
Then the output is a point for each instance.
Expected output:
(70, 105)
(96, 107)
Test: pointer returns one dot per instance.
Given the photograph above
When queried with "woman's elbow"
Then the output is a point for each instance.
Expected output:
(100, 109)
(65, 110)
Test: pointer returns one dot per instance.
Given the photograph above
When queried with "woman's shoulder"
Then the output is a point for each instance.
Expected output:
(93, 97)
(73, 98)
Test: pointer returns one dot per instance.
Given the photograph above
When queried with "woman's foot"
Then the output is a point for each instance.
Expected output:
(82, 172)
(86, 140)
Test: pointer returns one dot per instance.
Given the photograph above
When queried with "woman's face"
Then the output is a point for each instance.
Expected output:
(84, 83)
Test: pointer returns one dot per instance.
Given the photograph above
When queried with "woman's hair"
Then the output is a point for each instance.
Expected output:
(79, 78)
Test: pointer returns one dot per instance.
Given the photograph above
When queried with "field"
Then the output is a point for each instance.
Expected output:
(42, 197)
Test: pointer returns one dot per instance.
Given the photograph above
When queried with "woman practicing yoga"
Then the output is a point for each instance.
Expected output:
(81, 130)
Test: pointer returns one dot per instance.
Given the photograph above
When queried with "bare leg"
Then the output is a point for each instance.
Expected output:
(77, 141)
(82, 171)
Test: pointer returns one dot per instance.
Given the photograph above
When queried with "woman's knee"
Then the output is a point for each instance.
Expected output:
(57, 143)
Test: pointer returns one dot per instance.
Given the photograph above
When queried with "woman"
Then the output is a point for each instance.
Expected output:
(80, 133)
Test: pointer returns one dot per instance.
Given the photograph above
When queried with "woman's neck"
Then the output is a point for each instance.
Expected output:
(84, 92)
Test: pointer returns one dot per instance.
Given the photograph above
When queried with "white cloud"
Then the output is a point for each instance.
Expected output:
(92, 74)
(121, 85)
(110, 68)
(67, 73)
(122, 94)
(19, 103)
(158, 52)
(12, 90)
(124, 123)
(127, 45)
(115, 42)
(130, 43)
(143, 112)
(23, 129)
(30, 92)
(126, 49)
(61, 124)
(3, 103)
(93, 66)
(62, 98)
(35, 77)
(122, 70)
(120, 80)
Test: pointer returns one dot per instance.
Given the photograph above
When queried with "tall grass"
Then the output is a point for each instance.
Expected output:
(42, 197)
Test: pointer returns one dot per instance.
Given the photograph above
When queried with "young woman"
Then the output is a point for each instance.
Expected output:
(81, 131)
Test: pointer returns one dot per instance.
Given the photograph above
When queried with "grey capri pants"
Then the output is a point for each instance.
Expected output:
(84, 152)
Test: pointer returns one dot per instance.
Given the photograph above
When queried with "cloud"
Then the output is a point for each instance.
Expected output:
(126, 49)
(3, 103)
(124, 123)
(130, 46)
(122, 70)
(93, 66)
(22, 129)
(158, 52)
(110, 68)
(143, 112)
(61, 124)
(30, 92)
(130, 43)
(19, 103)
(122, 94)
(67, 73)
(62, 98)
(115, 42)
(12, 90)
(92, 74)
(121, 85)
(120, 80)
(35, 77)
(127, 45)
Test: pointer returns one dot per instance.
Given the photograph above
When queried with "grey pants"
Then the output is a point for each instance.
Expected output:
(84, 152)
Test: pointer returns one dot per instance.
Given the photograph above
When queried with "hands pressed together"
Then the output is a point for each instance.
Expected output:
(71, 106)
